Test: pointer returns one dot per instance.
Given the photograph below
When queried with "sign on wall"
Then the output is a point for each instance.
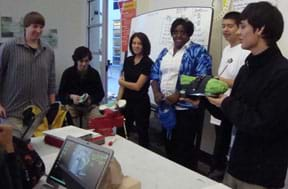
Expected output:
(10, 28)
(128, 11)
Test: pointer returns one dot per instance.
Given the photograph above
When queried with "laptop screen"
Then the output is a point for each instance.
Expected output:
(85, 162)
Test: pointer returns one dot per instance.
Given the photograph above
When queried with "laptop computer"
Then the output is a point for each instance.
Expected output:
(71, 181)
(79, 164)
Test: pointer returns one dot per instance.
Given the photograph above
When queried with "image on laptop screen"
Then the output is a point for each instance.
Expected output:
(86, 163)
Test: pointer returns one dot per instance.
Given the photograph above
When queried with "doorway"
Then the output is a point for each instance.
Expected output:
(104, 41)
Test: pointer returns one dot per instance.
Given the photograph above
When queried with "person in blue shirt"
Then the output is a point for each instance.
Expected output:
(189, 58)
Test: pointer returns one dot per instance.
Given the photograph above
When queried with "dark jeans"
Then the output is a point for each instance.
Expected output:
(182, 146)
(222, 145)
(223, 137)
(138, 111)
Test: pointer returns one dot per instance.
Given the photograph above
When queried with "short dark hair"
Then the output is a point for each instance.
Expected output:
(33, 18)
(186, 23)
(145, 43)
(264, 14)
(233, 15)
(81, 52)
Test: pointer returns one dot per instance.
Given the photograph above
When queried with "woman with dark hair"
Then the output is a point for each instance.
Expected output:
(189, 58)
(134, 83)
(81, 88)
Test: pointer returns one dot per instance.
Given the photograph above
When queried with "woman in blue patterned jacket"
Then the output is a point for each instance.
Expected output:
(189, 58)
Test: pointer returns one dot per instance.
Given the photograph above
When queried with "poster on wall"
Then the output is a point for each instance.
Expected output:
(9, 28)
(6, 27)
(50, 37)
(128, 11)
(239, 5)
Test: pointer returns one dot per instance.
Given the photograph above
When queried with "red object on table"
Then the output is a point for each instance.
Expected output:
(53, 141)
(104, 125)
(48, 139)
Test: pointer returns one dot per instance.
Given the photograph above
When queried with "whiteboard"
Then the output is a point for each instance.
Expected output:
(156, 25)
(239, 5)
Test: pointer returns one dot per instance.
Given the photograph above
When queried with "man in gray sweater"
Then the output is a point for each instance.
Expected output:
(27, 72)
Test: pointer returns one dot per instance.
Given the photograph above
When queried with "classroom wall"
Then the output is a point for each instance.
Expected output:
(216, 36)
(150, 5)
(217, 41)
(72, 23)
(69, 17)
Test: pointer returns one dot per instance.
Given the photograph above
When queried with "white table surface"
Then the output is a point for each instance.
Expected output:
(151, 169)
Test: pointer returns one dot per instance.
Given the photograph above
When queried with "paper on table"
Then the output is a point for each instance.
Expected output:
(63, 132)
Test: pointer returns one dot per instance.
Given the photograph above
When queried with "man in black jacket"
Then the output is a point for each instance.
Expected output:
(81, 87)
(258, 104)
